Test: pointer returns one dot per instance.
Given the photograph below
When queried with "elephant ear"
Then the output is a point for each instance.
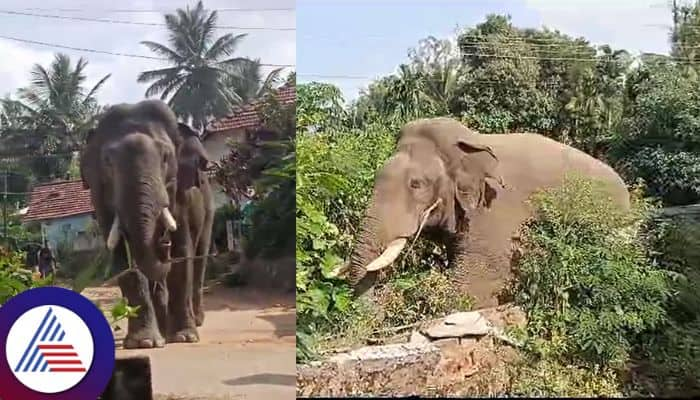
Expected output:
(475, 175)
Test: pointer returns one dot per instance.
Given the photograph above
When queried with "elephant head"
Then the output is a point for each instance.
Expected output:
(130, 165)
(439, 175)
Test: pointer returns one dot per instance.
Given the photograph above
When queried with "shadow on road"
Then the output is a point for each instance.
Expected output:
(285, 324)
(264, 379)
(246, 298)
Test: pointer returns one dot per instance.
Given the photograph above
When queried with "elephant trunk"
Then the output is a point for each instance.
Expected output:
(144, 214)
(382, 238)
(373, 251)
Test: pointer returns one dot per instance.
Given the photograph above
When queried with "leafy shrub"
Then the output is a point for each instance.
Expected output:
(335, 174)
(585, 278)
(411, 297)
(671, 174)
(670, 355)
(550, 378)
(14, 278)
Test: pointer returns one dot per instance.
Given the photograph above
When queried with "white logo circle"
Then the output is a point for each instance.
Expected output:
(49, 349)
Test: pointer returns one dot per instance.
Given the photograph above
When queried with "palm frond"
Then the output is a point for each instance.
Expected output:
(224, 46)
(164, 51)
(147, 76)
(95, 88)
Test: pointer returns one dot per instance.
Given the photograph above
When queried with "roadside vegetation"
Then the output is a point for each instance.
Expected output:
(611, 297)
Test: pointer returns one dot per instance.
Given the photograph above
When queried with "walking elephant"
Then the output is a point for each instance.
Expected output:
(152, 199)
(467, 190)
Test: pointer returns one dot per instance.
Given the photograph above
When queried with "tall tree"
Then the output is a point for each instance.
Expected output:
(51, 116)
(195, 85)
(249, 82)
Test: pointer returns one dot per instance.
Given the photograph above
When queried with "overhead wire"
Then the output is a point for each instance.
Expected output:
(160, 11)
(113, 21)
(60, 46)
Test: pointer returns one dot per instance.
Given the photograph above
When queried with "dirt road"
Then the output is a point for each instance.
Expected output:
(246, 349)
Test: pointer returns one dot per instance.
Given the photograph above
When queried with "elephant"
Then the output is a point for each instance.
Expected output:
(468, 191)
(153, 203)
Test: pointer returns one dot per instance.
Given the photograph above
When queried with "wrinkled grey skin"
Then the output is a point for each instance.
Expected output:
(483, 182)
(131, 165)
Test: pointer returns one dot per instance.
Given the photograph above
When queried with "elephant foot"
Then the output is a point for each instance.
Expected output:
(188, 335)
(146, 339)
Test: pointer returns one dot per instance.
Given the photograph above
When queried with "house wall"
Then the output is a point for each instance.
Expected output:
(217, 147)
(73, 229)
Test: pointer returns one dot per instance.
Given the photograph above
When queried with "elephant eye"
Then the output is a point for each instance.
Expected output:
(415, 183)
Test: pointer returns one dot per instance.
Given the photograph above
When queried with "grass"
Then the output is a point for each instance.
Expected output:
(397, 305)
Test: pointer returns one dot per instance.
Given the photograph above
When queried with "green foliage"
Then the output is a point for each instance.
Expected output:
(319, 106)
(585, 279)
(661, 144)
(14, 277)
(329, 207)
(122, 310)
(51, 115)
(265, 166)
(549, 378)
(411, 297)
(670, 355)
(595, 280)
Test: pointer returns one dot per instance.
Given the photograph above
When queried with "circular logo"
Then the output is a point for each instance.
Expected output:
(57, 345)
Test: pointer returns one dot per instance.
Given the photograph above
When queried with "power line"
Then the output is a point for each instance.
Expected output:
(518, 57)
(512, 37)
(60, 46)
(114, 21)
(160, 11)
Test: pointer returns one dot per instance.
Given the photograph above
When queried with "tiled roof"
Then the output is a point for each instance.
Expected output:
(58, 200)
(247, 115)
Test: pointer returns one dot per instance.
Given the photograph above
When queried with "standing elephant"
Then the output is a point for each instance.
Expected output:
(469, 191)
(147, 181)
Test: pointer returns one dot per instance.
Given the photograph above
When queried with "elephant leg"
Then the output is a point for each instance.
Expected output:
(143, 329)
(159, 295)
(120, 261)
(181, 322)
(200, 267)
(480, 264)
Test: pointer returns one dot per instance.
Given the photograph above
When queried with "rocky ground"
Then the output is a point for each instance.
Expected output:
(246, 349)
(465, 354)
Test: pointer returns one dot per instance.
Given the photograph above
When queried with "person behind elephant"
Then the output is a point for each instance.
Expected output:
(46, 262)
(468, 191)
(145, 172)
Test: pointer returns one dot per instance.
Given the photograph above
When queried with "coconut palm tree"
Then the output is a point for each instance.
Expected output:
(57, 97)
(52, 114)
(195, 83)
(249, 83)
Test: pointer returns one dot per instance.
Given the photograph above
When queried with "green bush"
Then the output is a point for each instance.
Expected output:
(335, 174)
(670, 356)
(14, 278)
(586, 280)
(414, 296)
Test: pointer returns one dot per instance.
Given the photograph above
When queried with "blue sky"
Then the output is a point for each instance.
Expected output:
(370, 38)
(275, 47)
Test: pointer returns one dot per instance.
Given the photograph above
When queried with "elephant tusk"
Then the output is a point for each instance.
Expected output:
(169, 220)
(388, 256)
(113, 238)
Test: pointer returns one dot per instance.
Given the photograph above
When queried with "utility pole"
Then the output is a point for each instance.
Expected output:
(4, 210)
